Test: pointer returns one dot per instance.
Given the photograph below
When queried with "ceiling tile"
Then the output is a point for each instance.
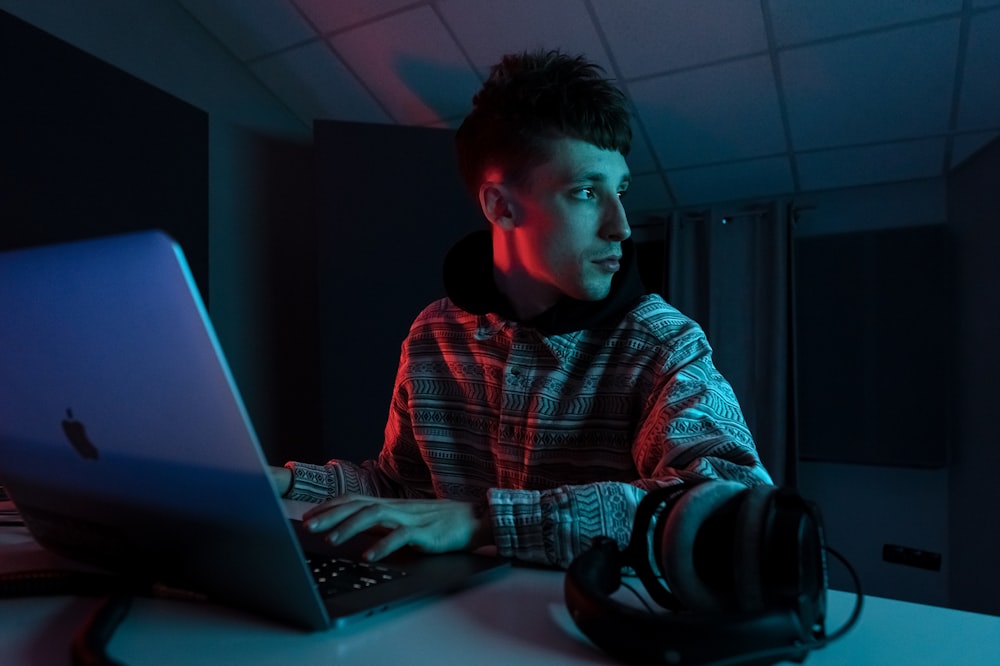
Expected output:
(412, 65)
(732, 182)
(329, 16)
(890, 85)
(251, 28)
(640, 158)
(796, 21)
(710, 114)
(859, 79)
(497, 28)
(979, 105)
(886, 162)
(651, 36)
(967, 145)
(314, 83)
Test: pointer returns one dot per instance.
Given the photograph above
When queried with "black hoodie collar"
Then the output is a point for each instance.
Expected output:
(468, 281)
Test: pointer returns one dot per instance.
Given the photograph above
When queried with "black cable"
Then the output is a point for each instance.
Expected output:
(782, 651)
(858, 603)
(89, 647)
(59, 582)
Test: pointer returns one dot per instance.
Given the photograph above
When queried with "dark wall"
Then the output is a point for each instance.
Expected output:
(86, 150)
(263, 244)
(390, 206)
(871, 309)
(974, 209)
(866, 506)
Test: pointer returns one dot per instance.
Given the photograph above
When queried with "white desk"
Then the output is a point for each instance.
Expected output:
(519, 618)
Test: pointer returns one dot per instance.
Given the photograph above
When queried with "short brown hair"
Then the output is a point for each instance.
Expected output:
(533, 97)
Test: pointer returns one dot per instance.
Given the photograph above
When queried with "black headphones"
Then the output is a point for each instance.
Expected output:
(740, 573)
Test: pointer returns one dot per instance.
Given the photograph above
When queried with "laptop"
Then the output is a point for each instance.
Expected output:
(124, 443)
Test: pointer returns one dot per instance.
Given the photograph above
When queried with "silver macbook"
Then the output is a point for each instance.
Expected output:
(124, 443)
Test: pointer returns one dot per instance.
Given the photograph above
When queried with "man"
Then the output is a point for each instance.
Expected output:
(535, 406)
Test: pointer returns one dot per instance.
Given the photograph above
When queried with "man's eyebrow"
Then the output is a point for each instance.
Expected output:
(600, 177)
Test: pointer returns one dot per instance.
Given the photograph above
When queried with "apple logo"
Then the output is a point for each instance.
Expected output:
(77, 436)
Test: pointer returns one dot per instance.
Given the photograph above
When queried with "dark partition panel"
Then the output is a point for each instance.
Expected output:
(87, 150)
(390, 205)
(974, 211)
(875, 342)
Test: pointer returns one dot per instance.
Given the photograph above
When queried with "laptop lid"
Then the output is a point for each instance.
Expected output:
(124, 441)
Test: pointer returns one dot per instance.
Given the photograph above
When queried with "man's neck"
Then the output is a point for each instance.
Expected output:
(523, 294)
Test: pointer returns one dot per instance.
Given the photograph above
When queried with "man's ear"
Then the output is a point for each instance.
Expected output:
(495, 200)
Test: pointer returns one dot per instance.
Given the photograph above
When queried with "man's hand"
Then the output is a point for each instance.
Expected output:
(282, 479)
(432, 526)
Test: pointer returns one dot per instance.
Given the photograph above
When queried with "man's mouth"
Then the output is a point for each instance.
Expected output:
(610, 264)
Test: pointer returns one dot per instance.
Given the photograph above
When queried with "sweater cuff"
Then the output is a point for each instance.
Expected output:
(312, 483)
(516, 516)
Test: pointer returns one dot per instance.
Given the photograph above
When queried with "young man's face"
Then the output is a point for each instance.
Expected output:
(566, 228)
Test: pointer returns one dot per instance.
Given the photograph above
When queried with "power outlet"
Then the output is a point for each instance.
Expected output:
(912, 557)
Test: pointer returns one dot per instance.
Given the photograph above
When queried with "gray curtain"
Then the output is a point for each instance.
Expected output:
(731, 271)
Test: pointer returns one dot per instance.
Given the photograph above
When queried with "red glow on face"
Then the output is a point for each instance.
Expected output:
(502, 256)
(492, 175)
(560, 235)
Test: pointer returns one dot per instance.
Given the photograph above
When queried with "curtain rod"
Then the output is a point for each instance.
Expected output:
(655, 220)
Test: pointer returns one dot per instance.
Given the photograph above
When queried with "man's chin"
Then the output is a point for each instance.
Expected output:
(595, 293)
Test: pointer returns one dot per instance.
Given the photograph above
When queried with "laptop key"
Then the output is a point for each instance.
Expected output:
(335, 575)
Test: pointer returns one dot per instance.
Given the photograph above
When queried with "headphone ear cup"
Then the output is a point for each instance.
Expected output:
(643, 550)
(591, 578)
(769, 540)
(753, 538)
(677, 541)
(794, 571)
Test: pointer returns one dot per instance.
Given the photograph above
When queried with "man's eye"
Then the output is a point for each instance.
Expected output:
(621, 195)
(584, 193)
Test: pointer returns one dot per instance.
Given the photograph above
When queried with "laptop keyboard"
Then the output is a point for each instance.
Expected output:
(335, 575)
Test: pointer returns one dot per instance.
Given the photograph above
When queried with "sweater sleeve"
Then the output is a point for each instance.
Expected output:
(318, 483)
(374, 478)
(692, 429)
(552, 527)
(398, 472)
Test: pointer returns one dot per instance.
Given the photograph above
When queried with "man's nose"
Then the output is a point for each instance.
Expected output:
(615, 226)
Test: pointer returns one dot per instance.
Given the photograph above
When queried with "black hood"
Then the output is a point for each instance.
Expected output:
(468, 281)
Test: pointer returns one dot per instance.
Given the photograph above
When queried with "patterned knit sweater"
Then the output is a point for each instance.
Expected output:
(559, 432)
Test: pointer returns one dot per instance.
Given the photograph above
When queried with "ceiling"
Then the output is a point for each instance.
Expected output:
(733, 99)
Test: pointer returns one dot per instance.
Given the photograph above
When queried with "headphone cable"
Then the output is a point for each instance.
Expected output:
(858, 603)
(782, 652)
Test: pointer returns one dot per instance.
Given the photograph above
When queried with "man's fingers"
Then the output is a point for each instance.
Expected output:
(332, 504)
(429, 525)
(346, 520)
(328, 516)
(393, 541)
(362, 519)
